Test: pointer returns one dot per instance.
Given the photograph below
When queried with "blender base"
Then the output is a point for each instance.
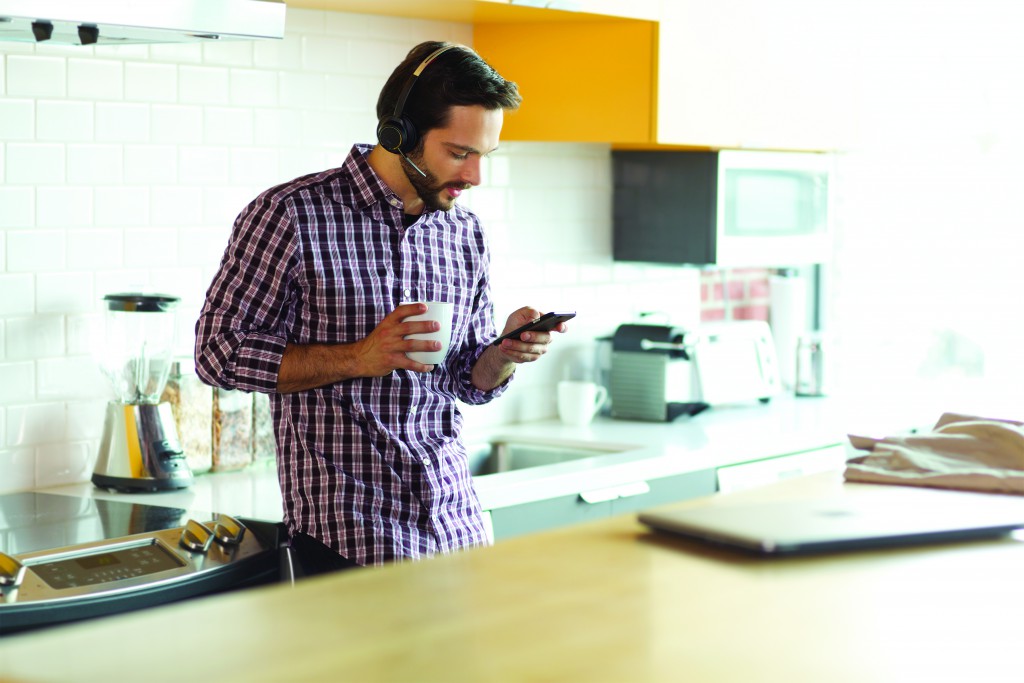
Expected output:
(139, 450)
(140, 484)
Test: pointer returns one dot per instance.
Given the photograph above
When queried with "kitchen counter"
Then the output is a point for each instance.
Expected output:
(606, 601)
(716, 438)
(719, 437)
(252, 492)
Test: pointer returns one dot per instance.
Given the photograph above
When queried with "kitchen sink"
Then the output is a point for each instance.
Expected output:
(495, 457)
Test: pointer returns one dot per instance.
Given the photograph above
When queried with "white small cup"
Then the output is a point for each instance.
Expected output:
(578, 402)
(442, 313)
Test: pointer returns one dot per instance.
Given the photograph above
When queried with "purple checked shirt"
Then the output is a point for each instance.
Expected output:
(372, 467)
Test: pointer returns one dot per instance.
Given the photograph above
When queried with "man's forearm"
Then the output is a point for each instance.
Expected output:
(492, 369)
(307, 366)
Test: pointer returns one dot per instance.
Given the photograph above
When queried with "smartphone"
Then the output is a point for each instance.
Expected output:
(546, 322)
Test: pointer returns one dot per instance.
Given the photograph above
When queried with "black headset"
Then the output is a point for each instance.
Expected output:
(396, 133)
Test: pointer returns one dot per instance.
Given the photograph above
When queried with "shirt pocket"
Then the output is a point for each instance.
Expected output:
(341, 300)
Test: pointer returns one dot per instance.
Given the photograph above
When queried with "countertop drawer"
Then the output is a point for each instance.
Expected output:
(668, 490)
(516, 520)
(751, 474)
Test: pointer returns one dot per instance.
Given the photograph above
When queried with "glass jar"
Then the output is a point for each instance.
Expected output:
(810, 366)
(232, 430)
(192, 406)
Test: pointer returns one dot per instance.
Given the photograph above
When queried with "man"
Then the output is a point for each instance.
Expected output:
(309, 304)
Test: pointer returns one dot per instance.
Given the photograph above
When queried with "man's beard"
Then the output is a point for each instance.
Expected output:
(427, 186)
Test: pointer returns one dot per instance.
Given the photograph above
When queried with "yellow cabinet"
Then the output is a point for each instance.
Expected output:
(581, 81)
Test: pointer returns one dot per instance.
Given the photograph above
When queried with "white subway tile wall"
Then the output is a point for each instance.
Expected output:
(123, 168)
(17, 120)
(36, 75)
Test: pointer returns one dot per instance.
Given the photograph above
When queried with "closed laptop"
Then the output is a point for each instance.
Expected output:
(886, 516)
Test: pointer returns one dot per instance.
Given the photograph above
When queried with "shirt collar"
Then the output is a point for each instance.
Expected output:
(369, 188)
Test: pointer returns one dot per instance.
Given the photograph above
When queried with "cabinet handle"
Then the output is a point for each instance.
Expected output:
(638, 488)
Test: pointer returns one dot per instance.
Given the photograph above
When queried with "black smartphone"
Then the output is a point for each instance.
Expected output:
(546, 322)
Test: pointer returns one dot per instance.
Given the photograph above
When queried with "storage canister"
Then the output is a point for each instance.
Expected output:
(232, 430)
(192, 406)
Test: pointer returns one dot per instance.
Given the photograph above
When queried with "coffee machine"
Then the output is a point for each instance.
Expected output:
(659, 373)
(139, 450)
(652, 374)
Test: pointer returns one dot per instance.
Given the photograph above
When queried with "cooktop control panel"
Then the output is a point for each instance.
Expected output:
(145, 559)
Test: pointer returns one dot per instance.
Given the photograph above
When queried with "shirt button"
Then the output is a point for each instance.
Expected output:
(426, 461)
(407, 293)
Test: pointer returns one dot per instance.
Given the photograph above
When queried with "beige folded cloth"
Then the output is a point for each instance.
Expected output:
(961, 452)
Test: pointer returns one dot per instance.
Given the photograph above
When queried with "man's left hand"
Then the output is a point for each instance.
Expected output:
(499, 362)
(530, 345)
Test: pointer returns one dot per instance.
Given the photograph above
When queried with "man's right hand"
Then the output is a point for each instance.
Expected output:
(383, 350)
(307, 366)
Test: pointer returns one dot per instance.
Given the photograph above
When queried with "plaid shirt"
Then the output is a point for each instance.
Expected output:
(372, 467)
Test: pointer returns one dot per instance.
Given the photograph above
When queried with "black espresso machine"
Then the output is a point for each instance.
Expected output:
(67, 558)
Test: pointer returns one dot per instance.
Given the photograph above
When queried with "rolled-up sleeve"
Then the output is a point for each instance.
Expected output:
(240, 336)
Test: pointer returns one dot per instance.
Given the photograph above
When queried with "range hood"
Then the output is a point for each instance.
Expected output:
(125, 22)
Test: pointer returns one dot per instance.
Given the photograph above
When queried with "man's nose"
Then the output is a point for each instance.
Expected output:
(471, 170)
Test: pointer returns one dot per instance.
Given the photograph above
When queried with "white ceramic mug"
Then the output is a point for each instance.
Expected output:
(442, 313)
(578, 402)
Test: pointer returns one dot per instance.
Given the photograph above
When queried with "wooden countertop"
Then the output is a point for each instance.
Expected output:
(608, 601)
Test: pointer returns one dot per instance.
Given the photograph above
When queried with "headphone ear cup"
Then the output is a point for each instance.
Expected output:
(396, 134)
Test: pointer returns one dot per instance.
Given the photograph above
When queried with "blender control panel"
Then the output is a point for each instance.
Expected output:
(105, 567)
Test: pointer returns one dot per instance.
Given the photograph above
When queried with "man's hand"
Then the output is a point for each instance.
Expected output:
(530, 345)
(497, 363)
(383, 350)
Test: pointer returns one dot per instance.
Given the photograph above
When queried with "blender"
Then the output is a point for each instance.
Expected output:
(139, 450)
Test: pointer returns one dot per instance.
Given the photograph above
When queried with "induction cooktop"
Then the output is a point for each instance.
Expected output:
(31, 522)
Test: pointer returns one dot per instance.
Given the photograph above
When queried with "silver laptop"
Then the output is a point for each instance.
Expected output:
(889, 516)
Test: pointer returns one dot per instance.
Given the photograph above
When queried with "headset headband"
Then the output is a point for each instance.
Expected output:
(400, 104)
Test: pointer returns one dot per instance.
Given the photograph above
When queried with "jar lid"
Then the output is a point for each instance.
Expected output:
(135, 302)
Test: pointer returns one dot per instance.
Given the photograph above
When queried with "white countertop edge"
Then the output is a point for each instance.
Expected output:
(719, 437)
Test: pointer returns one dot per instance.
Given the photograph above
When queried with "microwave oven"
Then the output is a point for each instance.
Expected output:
(726, 208)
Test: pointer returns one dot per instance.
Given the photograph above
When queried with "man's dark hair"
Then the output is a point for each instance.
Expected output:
(457, 77)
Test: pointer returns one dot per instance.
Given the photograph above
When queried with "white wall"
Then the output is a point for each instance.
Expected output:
(928, 279)
(122, 169)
